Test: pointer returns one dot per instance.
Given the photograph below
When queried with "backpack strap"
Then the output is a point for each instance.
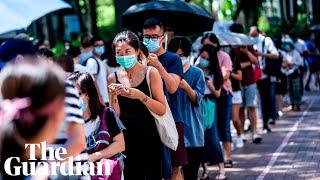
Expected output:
(98, 65)
(148, 79)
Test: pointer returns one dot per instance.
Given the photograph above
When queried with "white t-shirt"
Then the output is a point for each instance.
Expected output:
(269, 47)
(294, 58)
(101, 78)
(300, 46)
(80, 68)
(110, 69)
(91, 126)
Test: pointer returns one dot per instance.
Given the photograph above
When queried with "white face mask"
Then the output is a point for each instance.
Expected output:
(185, 60)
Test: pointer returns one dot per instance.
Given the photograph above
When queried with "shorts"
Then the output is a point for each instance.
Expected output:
(249, 95)
(237, 97)
(179, 157)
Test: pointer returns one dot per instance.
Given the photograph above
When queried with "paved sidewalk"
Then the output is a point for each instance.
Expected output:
(296, 138)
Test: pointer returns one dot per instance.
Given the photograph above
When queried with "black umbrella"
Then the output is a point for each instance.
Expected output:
(184, 18)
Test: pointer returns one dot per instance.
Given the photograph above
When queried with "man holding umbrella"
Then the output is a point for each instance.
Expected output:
(170, 68)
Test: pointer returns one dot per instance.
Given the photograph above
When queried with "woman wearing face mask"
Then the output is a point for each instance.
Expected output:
(93, 112)
(290, 67)
(208, 62)
(129, 96)
(193, 85)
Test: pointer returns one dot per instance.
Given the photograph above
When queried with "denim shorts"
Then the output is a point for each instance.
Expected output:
(249, 95)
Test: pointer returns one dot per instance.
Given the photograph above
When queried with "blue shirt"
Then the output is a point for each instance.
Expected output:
(192, 112)
(172, 63)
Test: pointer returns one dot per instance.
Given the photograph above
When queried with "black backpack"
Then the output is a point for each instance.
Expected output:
(84, 63)
(273, 66)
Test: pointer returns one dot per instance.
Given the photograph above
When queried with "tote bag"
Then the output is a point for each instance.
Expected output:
(165, 124)
(209, 113)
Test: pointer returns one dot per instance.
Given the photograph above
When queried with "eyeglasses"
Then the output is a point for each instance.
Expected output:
(155, 36)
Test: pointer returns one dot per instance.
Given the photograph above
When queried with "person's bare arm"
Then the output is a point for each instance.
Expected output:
(117, 146)
(236, 75)
(245, 64)
(172, 80)
(190, 92)
(113, 94)
(213, 90)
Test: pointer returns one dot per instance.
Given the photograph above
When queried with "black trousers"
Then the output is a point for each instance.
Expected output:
(267, 94)
(194, 155)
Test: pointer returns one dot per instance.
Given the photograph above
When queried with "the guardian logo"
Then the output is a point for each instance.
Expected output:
(53, 163)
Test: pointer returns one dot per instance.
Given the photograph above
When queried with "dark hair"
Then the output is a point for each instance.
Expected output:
(128, 37)
(144, 49)
(66, 62)
(108, 54)
(180, 43)
(214, 66)
(40, 82)
(86, 85)
(236, 28)
(86, 40)
(45, 52)
(212, 38)
(95, 39)
(153, 23)
(74, 51)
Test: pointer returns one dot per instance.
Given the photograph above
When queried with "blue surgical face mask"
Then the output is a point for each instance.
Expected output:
(127, 62)
(255, 40)
(83, 105)
(286, 47)
(152, 45)
(203, 63)
(99, 50)
(84, 56)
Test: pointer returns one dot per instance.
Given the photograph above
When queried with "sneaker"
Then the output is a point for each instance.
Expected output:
(280, 113)
(256, 139)
(272, 121)
(239, 142)
(266, 130)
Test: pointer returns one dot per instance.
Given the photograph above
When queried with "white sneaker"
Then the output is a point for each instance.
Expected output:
(256, 139)
(239, 142)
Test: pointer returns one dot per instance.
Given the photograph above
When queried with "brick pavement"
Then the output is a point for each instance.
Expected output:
(299, 159)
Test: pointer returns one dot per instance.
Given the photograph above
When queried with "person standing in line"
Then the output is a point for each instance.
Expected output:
(291, 63)
(130, 98)
(170, 68)
(97, 68)
(266, 85)
(86, 48)
(224, 102)
(75, 52)
(193, 86)
(208, 62)
(236, 77)
(247, 58)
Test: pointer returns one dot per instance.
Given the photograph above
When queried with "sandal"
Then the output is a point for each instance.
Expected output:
(204, 176)
(228, 164)
(221, 176)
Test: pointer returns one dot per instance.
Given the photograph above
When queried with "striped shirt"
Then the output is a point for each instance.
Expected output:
(72, 109)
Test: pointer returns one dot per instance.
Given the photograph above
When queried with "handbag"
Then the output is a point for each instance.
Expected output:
(165, 124)
(99, 140)
(209, 113)
(257, 72)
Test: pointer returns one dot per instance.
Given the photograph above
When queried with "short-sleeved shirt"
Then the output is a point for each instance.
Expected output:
(113, 122)
(235, 69)
(247, 72)
(226, 66)
(265, 45)
(101, 74)
(192, 113)
(172, 63)
(72, 110)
